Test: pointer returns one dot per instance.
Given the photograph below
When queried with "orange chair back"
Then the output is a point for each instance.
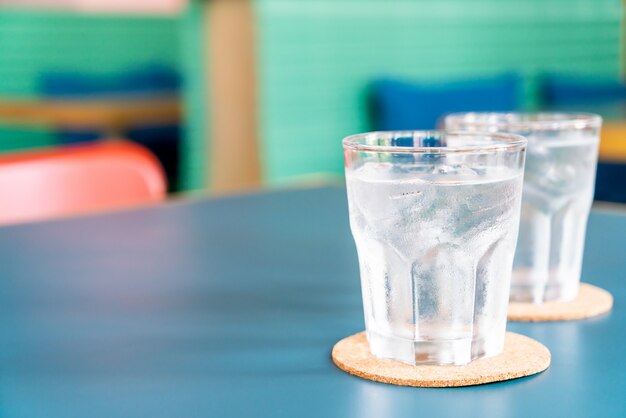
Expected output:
(75, 179)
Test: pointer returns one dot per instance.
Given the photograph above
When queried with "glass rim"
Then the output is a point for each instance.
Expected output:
(527, 120)
(503, 141)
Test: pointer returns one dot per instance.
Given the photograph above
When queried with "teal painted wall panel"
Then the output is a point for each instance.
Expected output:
(13, 137)
(317, 57)
(194, 152)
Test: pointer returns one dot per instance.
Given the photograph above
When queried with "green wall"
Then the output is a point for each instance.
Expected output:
(317, 57)
(16, 137)
(194, 153)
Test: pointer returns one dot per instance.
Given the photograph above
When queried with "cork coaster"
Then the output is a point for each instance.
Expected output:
(591, 301)
(522, 356)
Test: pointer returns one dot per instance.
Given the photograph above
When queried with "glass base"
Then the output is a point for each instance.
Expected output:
(543, 293)
(441, 352)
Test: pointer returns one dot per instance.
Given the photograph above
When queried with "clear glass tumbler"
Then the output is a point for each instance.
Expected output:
(558, 192)
(435, 218)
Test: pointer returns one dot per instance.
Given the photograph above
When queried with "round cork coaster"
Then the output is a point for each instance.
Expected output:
(591, 301)
(522, 356)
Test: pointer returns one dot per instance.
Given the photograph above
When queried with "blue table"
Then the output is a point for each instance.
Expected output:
(230, 307)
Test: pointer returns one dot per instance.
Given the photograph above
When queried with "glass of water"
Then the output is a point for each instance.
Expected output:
(558, 192)
(435, 217)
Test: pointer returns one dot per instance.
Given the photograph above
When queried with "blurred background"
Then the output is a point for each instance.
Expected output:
(234, 95)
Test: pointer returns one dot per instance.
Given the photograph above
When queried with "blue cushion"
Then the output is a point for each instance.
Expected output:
(149, 79)
(558, 90)
(398, 105)
(610, 186)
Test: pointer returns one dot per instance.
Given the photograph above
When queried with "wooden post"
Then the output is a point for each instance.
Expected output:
(234, 155)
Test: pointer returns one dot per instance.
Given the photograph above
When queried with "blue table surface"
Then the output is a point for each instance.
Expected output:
(230, 307)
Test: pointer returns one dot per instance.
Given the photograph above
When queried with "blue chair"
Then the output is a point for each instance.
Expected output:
(151, 80)
(399, 105)
(569, 90)
(606, 96)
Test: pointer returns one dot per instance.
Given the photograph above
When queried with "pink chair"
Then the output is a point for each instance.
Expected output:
(76, 179)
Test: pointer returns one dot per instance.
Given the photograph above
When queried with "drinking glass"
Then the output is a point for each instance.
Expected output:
(435, 217)
(558, 192)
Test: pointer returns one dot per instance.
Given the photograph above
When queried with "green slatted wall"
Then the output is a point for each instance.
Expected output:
(316, 57)
(194, 153)
(32, 42)
(19, 137)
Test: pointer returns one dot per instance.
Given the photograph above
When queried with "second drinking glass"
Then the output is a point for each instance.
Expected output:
(558, 192)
